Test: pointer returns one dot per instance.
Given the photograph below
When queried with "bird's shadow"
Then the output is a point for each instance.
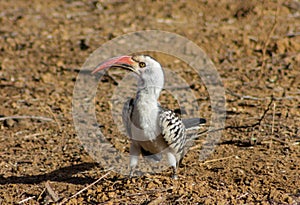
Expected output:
(240, 143)
(64, 174)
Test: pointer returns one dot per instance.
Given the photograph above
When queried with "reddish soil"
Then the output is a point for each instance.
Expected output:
(255, 48)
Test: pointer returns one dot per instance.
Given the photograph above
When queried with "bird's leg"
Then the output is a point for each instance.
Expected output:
(174, 174)
(173, 162)
(135, 151)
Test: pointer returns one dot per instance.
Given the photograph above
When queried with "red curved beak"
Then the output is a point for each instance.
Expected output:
(125, 62)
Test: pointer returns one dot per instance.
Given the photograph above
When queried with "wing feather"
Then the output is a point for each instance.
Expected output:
(173, 132)
(126, 115)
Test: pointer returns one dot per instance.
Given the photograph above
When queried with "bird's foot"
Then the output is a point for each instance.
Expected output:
(132, 172)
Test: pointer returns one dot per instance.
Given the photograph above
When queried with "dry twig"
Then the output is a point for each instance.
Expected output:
(85, 188)
(243, 195)
(158, 200)
(51, 192)
(273, 121)
(267, 41)
(196, 147)
(25, 200)
(219, 159)
(248, 97)
(242, 97)
(41, 194)
(274, 139)
(36, 134)
(255, 124)
(16, 117)
(55, 119)
(177, 87)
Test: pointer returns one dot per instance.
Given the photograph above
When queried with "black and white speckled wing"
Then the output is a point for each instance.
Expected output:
(173, 132)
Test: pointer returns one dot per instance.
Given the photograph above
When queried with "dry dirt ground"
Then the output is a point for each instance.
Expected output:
(255, 47)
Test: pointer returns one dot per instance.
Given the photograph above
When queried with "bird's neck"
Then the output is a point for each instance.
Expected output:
(150, 93)
(146, 112)
(146, 104)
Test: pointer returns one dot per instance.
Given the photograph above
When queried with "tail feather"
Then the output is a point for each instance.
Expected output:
(193, 123)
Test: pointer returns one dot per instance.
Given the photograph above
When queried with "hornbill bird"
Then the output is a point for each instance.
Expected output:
(152, 129)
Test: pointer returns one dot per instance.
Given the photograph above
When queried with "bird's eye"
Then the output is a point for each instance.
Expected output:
(142, 64)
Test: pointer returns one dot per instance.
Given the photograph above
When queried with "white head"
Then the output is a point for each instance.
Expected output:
(149, 71)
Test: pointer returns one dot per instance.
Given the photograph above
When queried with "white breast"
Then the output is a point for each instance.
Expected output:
(145, 124)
